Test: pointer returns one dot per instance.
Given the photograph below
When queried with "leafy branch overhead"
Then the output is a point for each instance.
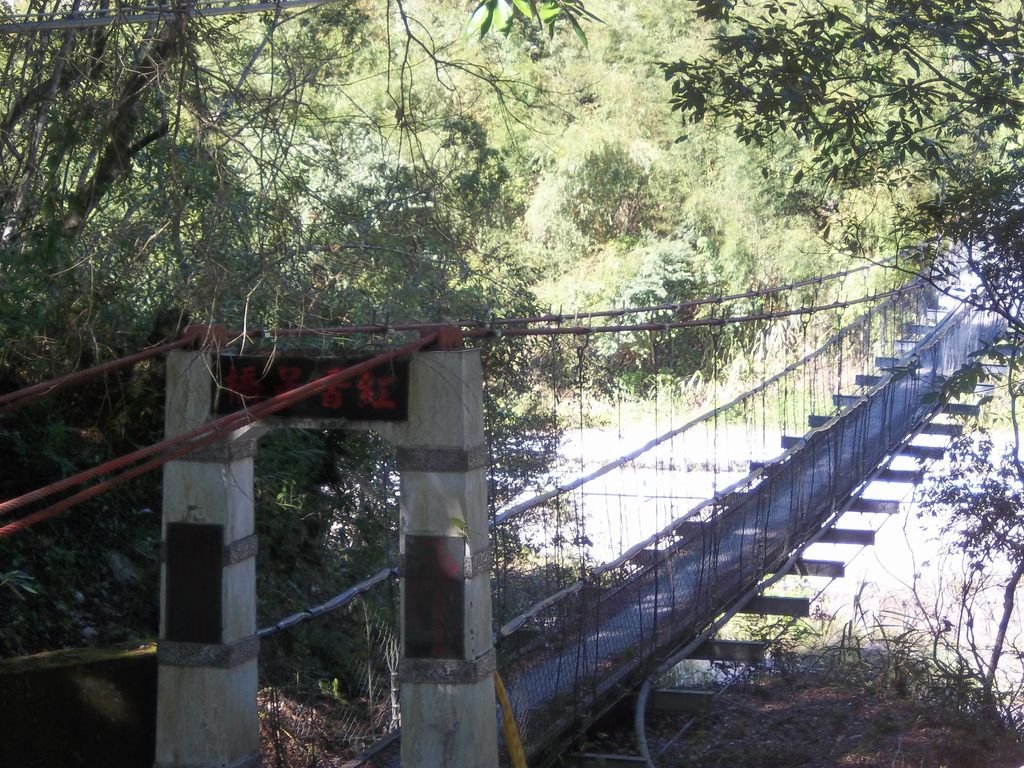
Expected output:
(499, 16)
(919, 102)
(870, 88)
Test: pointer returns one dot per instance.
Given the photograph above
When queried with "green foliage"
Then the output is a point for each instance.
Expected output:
(19, 582)
(982, 500)
(916, 103)
(347, 164)
(499, 15)
(606, 195)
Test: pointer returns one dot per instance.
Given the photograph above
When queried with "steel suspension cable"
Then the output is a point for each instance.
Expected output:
(11, 401)
(716, 321)
(517, 509)
(498, 325)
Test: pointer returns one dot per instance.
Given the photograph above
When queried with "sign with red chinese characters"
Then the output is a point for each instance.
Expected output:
(381, 394)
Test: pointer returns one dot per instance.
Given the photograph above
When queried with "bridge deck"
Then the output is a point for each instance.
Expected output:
(577, 653)
(580, 653)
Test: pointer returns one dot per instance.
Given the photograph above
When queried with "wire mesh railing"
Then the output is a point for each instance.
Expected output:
(544, 543)
(602, 625)
(567, 656)
(342, 698)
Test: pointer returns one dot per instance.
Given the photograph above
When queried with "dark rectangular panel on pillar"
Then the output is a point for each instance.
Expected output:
(194, 571)
(434, 572)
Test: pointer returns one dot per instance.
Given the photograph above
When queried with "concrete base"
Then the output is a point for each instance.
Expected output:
(455, 725)
(208, 717)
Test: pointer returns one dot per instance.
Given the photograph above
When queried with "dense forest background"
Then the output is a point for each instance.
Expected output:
(370, 162)
(385, 161)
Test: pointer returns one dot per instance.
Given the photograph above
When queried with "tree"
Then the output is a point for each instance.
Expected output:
(980, 500)
(247, 170)
(922, 101)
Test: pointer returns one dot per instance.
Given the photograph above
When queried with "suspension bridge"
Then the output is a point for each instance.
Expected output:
(577, 595)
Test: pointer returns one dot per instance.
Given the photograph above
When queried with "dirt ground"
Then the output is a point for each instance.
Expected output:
(792, 720)
(802, 720)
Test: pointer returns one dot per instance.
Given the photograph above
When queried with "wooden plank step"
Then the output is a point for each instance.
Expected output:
(938, 428)
(867, 379)
(995, 369)
(886, 363)
(771, 605)
(756, 465)
(903, 346)
(858, 536)
(889, 475)
(961, 409)
(830, 569)
(817, 421)
(928, 452)
(680, 701)
(844, 401)
(933, 315)
(746, 651)
(874, 506)
(917, 329)
(790, 441)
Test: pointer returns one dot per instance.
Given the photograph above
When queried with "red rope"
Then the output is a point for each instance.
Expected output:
(21, 397)
(175, 447)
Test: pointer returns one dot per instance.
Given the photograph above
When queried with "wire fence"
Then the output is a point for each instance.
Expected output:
(546, 541)
(603, 625)
(342, 698)
(572, 654)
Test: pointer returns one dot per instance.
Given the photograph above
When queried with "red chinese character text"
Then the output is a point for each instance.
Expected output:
(334, 396)
(243, 384)
(291, 378)
(376, 392)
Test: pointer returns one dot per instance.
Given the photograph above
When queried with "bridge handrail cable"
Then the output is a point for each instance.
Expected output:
(524, 506)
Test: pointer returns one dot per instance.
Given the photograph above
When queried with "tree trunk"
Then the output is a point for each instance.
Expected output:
(1009, 599)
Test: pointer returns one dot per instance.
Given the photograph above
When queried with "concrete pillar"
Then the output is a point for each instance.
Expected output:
(207, 651)
(447, 664)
